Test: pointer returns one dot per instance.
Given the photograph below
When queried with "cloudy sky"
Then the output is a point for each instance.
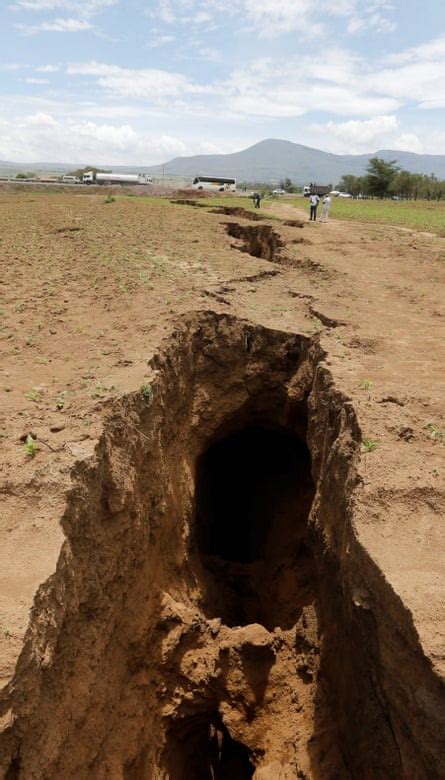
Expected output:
(142, 81)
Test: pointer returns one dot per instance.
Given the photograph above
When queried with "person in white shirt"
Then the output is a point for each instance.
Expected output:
(313, 200)
(325, 208)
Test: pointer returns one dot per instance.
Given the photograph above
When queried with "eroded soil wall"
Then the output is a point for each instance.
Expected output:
(211, 613)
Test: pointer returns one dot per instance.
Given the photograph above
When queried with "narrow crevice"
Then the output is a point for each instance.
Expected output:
(236, 211)
(200, 747)
(188, 202)
(259, 240)
(13, 771)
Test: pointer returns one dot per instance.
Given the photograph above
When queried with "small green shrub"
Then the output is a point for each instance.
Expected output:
(146, 392)
(368, 445)
(31, 446)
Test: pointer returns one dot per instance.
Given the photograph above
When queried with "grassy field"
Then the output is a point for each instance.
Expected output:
(419, 215)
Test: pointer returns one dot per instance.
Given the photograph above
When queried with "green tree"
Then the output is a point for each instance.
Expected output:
(80, 171)
(286, 184)
(355, 185)
(403, 184)
(380, 176)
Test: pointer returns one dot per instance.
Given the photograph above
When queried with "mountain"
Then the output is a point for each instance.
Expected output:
(266, 161)
(272, 160)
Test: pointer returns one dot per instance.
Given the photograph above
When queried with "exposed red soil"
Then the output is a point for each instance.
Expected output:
(223, 555)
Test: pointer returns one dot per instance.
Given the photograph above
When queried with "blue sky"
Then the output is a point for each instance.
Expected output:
(142, 81)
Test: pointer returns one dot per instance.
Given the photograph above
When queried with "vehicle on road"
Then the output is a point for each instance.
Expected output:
(90, 177)
(344, 195)
(218, 183)
(278, 192)
(71, 179)
(316, 189)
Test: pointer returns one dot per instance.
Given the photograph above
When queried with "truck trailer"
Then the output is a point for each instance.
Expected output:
(90, 177)
(316, 189)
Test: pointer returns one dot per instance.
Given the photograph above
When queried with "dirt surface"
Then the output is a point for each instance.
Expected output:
(292, 403)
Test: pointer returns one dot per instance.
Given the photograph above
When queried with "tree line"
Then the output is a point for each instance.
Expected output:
(385, 179)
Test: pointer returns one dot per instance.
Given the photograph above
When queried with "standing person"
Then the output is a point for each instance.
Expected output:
(325, 208)
(257, 199)
(314, 201)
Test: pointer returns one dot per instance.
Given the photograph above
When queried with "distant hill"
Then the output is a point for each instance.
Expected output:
(272, 160)
(266, 161)
(8, 168)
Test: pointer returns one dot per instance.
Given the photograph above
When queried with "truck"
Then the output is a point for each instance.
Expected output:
(90, 177)
(316, 189)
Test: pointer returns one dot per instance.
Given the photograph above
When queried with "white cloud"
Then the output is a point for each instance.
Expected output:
(274, 17)
(56, 25)
(298, 86)
(159, 41)
(47, 69)
(82, 7)
(39, 118)
(410, 142)
(432, 50)
(143, 83)
(356, 136)
(32, 80)
(264, 88)
(369, 135)
(84, 11)
(277, 17)
(420, 81)
(271, 18)
(41, 137)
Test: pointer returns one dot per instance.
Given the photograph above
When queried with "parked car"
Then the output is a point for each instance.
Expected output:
(344, 195)
(278, 192)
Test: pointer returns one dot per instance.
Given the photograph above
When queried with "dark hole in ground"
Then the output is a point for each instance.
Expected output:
(13, 772)
(188, 202)
(236, 211)
(259, 240)
(68, 229)
(201, 748)
(253, 496)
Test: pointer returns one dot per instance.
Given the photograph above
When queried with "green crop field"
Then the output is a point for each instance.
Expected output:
(419, 215)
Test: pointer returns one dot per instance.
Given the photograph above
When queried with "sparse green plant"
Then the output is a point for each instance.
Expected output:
(146, 392)
(33, 395)
(434, 431)
(368, 445)
(109, 199)
(31, 446)
(366, 384)
(60, 403)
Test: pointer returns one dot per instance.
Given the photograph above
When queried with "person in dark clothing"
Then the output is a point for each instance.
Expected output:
(256, 199)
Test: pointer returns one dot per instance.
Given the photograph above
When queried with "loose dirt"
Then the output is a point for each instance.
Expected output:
(222, 551)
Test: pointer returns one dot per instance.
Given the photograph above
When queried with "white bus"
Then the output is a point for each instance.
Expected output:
(219, 183)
